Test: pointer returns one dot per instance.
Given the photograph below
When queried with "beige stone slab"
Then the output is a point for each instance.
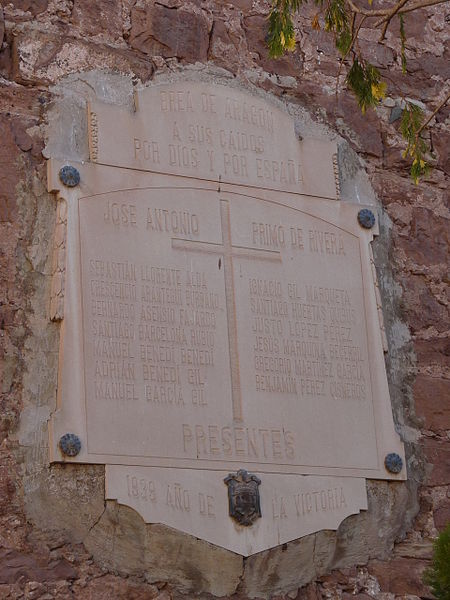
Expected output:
(219, 329)
(212, 132)
(196, 502)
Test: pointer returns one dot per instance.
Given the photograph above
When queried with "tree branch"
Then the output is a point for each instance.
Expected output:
(350, 48)
(385, 12)
(386, 20)
(367, 12)
(421, 4)
(433, 114)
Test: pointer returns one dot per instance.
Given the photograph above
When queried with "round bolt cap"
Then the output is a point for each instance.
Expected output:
(69, 176)
(393, 462)
(366, 218)
(70, 444)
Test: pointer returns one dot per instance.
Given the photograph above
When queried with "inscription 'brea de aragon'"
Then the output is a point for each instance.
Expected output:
(221, 136)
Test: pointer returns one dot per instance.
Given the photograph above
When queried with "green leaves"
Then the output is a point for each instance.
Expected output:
(344, 20)
(344, 41)
(281, 35)
(336, 17)
(411, 127)
(438, 575)
(365, 81)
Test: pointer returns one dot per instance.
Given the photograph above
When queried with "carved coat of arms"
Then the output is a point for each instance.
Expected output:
(243, 497)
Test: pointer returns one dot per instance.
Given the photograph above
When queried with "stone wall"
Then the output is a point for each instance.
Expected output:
(58, 538)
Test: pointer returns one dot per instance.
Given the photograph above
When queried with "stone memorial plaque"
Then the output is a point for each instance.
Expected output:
(214, 326)
(213, 133)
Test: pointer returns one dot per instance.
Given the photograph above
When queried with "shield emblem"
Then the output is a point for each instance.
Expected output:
(243, 497)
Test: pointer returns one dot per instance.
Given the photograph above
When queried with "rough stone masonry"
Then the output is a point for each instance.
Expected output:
(58, 537)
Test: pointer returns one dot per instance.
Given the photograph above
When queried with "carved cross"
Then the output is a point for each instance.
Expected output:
(229, 252)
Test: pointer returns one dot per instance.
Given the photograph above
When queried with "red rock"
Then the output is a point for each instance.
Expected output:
(324, 43)
(393, 159)
(9, 176)
(420, 305)
(379, 55)
(419, 86)
(431, 397)
(437, 454)
(336, 577)
(414, 23)
(8, 592)
(309, 592)
(34, 590)
(101, 16)
(71, 56)
(60, 569)
(433, 352)
(427, 242)
(14, 565)
(244, 5)
(6, 65)
(307, 93)
(256, 31)
(7, 490)
(7, 314)
(391, 187)
(441, 145)
(400, 576)
(21, 137)
(443, 114)
(35, 7)
(2, 26)
(367, 126)
(222, 50)
(430, 64)
(441, 515)
(158, 30)
(110, 587)
(22, 101)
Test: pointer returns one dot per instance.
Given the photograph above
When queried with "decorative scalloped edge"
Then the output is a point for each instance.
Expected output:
(336, 176)
(59, 262)
(93, 135)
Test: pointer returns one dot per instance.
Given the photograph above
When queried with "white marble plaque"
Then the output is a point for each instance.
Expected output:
(210, 326)
(213, 133)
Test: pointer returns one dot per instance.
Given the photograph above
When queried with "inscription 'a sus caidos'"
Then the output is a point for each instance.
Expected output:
(240, 146)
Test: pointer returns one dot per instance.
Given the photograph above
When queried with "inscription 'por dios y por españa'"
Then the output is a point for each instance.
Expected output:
(240, 147)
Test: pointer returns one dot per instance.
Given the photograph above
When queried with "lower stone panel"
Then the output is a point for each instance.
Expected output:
(196, 502)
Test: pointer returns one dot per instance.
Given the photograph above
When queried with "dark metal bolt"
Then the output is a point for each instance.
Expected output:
(69, 176)
(70, 444)
(366, 218)
(393, 463)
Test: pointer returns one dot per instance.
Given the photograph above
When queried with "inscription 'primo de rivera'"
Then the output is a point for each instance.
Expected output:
(221, 322)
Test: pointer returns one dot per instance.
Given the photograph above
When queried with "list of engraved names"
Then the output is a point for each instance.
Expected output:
(304, 341)
(153, 326)
(211, 320)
